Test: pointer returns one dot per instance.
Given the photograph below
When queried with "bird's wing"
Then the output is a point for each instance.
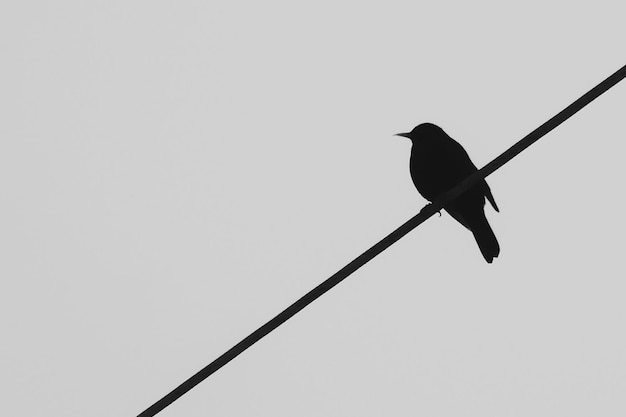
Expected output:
(490, 198)
(465, 167)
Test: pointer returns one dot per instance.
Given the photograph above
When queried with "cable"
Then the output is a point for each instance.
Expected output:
(387, 241)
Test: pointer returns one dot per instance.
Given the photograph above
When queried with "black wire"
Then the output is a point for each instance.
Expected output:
(390, 239)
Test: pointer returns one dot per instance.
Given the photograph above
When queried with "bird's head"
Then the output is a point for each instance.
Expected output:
(423, 131)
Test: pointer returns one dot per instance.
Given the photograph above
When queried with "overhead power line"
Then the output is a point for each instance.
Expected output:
(390, 239)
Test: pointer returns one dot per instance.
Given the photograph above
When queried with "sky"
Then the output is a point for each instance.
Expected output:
(174, 174)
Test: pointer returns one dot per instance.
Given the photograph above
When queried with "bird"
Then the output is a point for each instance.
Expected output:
(438, 163)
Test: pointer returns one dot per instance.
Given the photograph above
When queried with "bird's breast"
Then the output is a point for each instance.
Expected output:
(425, 176)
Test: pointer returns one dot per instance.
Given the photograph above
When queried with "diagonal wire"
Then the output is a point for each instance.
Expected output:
(387, 241)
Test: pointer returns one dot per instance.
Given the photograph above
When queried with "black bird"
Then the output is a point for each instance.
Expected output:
(438, 163)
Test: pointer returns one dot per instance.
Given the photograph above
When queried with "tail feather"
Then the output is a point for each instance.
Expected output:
(486, 239)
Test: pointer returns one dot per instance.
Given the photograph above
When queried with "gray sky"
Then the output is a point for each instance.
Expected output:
(173, 174)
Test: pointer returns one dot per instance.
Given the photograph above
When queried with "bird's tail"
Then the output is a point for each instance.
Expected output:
(486, 239)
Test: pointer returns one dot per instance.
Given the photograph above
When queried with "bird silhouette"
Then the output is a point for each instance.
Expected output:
(438, 163)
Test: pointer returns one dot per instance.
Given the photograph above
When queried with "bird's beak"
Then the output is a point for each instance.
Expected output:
(406, 135)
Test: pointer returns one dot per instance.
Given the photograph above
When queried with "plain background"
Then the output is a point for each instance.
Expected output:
(173, 174)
